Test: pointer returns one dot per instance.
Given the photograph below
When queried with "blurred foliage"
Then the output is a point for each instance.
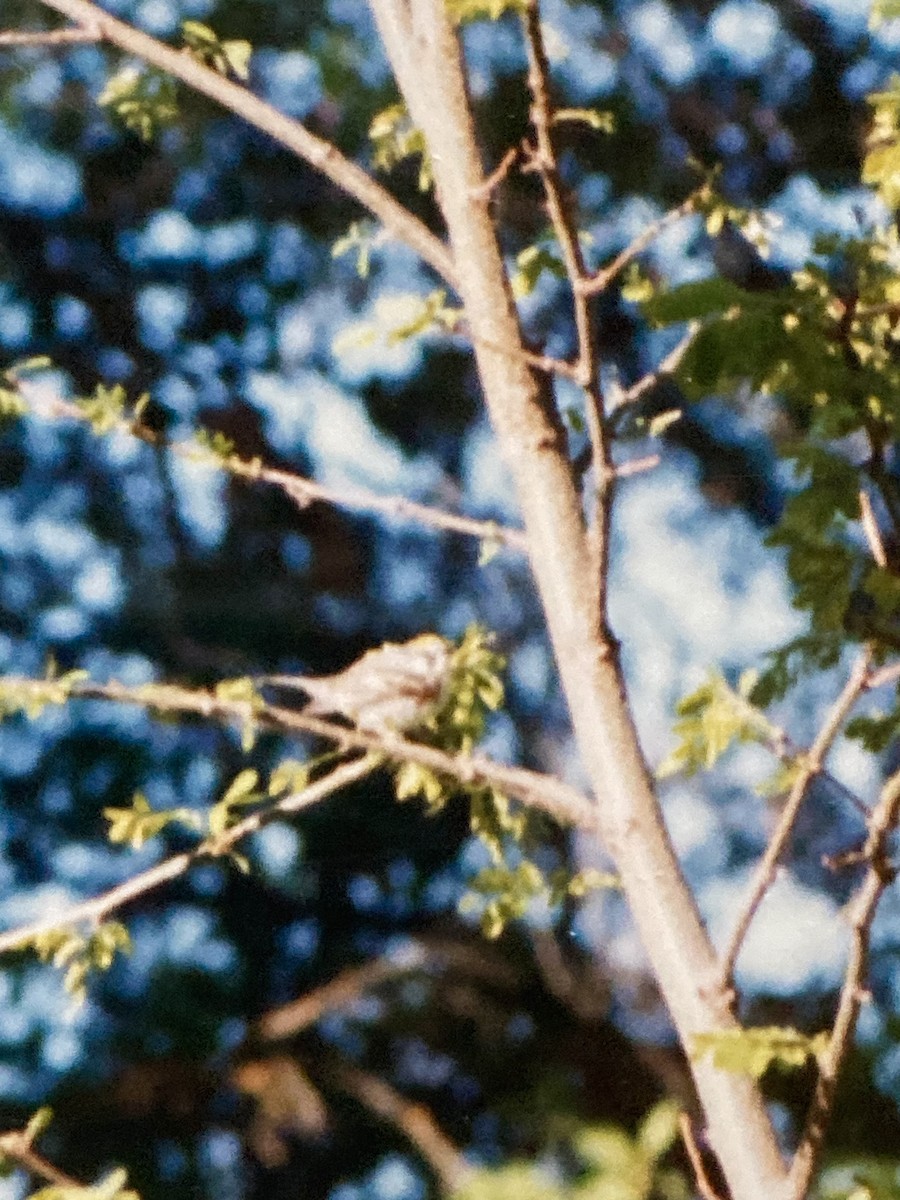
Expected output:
(609, 1165)
(754, 1051)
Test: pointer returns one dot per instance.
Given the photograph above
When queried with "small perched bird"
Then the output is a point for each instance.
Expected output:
(390, 688)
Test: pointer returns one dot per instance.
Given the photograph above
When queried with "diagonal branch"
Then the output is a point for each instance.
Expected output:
(664, 368)
(17, 1145)
(534, 446)
(299, 488)
(558, 800)
(879, 876)
(413, 1120)
(600, 281)
(289, 133)
(98, 908)
(813, 764)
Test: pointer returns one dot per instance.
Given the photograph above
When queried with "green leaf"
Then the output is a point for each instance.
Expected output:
(659, 1129)
(412, 781)
(753, 1051)
(713, 718)
(531, 264)
(395, 138)
(513, 1181)
(592, 880)
(398, 318)
(509, 893)
(138, 824)
(80, 954)
(241, 792)
(143, 100)
(699, 298)
(663, 421)
(37, 1123)
(876, 730)
(883, 10)
(12, 404)
(463, 11)
(232, 57)
(488, 549)
(596, 118)
(217, 445)
(361, 238)
(289, 776)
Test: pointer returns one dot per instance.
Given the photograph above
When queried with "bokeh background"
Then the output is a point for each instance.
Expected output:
(198, 267)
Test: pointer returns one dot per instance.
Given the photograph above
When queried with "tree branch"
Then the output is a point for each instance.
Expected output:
(299, 488)
(879, 876)
(98, 908)
(289, 133)
(813, 765)
(600, 281)
(50, 37)
(413, 1120)
(544, 161)
(17, 1146)
(564, 804)
(534, 446)
(667, 366)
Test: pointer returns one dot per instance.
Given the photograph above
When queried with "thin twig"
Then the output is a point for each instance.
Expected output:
(544, 161)
(558, 800)
(51, 37)
(879, 876)
(498, 174)
(871, 530)
(704, 1186)
(881, 476)
(98, 908)
(298, 488)
(17, 1146)
(413, 1120)
(293, 135)
(424, 954)
(813, 763)
(667, 366)
(565, 804)
(636, 466)
(885, 675)
(290, 1019)
(604, 277)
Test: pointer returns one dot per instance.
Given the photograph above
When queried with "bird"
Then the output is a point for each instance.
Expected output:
(392, 687)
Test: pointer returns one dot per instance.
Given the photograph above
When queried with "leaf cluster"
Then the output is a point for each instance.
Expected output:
(463, 11)
(78, 953)
(611, 1165)
(112, 1187)
(395, 138)
(827, 349)
(226, 58)
(144, 100)
(505, 893)
(753, 1051)
(711, 720)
